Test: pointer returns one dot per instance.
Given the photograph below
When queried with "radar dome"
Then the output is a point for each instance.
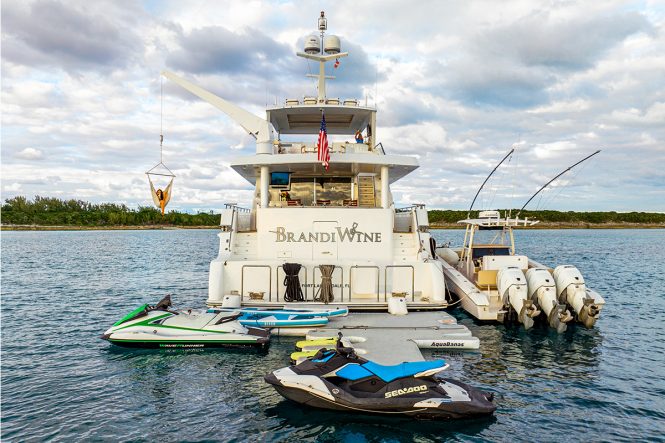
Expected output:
(331, 44)
(312, 44)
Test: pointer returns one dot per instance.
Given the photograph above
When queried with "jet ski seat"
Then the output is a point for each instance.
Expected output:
(406, 369)
(354, 371)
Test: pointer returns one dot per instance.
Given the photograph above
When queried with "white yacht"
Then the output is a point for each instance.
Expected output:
(493, 282)
(318, 233)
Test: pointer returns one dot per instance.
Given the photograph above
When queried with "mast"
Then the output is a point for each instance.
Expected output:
(315, 46)
(559, 175)
(488, 177)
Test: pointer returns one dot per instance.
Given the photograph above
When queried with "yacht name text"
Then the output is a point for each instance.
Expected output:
(342, 235)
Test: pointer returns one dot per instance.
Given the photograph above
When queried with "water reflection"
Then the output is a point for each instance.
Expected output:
(339, 426)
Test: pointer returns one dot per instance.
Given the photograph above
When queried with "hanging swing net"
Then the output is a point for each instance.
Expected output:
(160, 197)
(160, 173)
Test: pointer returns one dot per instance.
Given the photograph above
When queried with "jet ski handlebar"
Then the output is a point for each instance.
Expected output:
(342, 350)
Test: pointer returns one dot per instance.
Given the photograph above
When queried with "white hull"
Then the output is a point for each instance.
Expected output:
(481, 304)
(371, 266)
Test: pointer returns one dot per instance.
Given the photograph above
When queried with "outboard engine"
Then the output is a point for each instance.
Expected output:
(512, 287)
(570, 288)
(542, 290)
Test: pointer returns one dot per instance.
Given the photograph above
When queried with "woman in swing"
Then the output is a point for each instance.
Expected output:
(159, 197)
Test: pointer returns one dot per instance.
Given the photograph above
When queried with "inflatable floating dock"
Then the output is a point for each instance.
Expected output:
(391, 339)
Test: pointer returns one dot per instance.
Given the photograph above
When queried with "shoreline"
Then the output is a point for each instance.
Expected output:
(99, 228)
(432, 226)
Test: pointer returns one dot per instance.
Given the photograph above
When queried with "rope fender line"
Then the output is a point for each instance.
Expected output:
(292, 282)
(325, 292)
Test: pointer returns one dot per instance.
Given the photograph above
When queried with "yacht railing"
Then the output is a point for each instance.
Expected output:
(242, 279)
(309, 290)
(378, 273)
(413, 280)
(311, 148)
(239, 220)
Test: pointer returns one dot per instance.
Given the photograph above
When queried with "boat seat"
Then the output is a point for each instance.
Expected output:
(406, 369)
(487, 279)
(190, 321)
(353, 371)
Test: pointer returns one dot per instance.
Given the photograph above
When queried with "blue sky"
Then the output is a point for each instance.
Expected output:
(457, 84)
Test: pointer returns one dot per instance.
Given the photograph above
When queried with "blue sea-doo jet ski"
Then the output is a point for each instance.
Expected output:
(340, 380)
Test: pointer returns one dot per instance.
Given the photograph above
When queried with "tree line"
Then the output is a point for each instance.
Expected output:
(50, 211)
(440, 216)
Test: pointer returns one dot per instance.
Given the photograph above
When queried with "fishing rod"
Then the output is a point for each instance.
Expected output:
(559, 175)
(488, 177)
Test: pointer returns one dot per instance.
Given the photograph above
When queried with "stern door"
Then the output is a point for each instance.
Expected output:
(324, 250)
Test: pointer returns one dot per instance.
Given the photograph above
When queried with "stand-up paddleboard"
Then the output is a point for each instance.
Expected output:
(282, 320)
(332, 312)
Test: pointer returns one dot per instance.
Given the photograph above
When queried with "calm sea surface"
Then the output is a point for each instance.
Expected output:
(61, 290)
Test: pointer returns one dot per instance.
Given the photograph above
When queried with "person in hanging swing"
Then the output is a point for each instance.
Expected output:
(159, 197)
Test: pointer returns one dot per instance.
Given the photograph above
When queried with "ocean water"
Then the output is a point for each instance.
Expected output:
(60, 382)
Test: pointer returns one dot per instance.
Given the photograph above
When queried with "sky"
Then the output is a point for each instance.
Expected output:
(456, 84)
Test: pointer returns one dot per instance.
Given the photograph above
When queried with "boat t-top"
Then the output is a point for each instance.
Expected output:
(494, 282)
(322, 226)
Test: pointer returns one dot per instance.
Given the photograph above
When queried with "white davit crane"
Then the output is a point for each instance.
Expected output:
(257, 127)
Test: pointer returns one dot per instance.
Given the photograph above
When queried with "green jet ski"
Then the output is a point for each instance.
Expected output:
(160, 327)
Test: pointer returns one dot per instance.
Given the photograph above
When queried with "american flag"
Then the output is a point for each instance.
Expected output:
(324, 153)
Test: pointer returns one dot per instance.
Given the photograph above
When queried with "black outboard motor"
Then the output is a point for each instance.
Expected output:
(341, 380)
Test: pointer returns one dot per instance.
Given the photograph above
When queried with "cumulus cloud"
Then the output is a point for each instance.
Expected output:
(515, 63)
(215, 49)
(72, 35)
(30, 154)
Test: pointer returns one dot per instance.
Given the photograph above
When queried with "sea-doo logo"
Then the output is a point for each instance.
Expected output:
(348, 235)
(398, 392)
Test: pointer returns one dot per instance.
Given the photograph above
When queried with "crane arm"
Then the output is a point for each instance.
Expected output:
(256, 126)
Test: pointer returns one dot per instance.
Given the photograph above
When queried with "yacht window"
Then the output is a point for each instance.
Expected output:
(311, 191)
(299, 193)
(333, 191)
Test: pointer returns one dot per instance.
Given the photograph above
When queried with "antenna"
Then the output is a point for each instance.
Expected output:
(314, 48)
(488, 177)
(558, 175)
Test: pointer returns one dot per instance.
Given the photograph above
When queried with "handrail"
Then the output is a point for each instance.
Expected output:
(306, 281)
(383, 151)
(411, 207)
(236, 207)
(242, 279)
(378, 273)
(314, 279)
(413, 281)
